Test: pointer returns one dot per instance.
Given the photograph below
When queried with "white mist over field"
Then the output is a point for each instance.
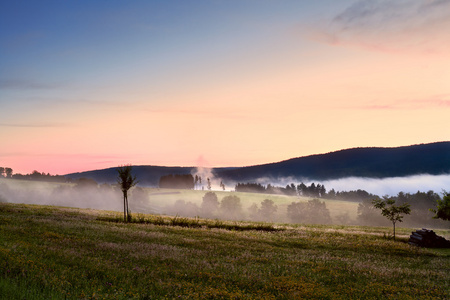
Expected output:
(34, 192)
(392, 185)
(379, 186)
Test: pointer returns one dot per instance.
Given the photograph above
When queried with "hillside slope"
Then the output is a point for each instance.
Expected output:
(372, 162)
(431, 159)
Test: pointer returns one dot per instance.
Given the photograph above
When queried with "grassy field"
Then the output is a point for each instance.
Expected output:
(66, 253)
(34, 192)
(166, 197)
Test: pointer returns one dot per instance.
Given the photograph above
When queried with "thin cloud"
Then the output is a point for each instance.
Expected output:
(25, 84)
(418, 26)
(35, 124)
(438, 101)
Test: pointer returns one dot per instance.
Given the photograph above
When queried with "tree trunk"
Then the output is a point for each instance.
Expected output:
(394, 230)
(124, 209)
(128, 211)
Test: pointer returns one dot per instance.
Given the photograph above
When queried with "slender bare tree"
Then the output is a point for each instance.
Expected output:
(391, 211)
(126, 182)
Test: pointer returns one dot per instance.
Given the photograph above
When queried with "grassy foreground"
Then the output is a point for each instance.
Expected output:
(57, 253)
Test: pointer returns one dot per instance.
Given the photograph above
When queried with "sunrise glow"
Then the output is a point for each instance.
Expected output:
(91, 85)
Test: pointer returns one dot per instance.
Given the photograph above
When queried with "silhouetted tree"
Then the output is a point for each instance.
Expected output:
(195, 182)
(331, 194)
(208, 184)
(126, 182)
(392, 212)
(210, 204)
(313, 211)
(8, 172)
(268, 209)
(2, 171)
(368, 214)
(442, 210)
(302, 189)
(231, 207)
(322, 190)
(290, 190)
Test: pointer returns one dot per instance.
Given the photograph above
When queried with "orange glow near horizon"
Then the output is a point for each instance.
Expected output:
(270, 88)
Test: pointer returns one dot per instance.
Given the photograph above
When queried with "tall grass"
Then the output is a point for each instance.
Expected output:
(192, 222)
(63, 253)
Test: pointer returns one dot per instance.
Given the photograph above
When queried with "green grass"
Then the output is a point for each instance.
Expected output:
(159, 199)
(65, 253)
(167, 197)
(192, 222)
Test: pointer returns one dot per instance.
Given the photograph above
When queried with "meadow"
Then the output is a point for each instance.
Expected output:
(49, 252)
(157, 200)
(166, 197)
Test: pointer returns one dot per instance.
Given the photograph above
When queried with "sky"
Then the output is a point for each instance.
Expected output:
(88, 85)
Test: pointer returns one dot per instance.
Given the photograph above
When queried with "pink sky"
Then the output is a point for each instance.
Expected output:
(285, 80)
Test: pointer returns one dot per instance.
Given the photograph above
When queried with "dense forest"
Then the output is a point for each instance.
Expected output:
(313, 190)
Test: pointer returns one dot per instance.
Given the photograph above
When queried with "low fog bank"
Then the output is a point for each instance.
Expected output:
(84, 194)
(391, 186)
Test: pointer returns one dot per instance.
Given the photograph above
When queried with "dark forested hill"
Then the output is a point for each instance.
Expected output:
(357, 162)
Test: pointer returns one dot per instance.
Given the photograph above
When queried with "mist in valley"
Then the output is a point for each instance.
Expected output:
(218, 203)
(391, 186)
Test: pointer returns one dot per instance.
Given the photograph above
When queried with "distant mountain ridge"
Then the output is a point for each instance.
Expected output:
(373, 162)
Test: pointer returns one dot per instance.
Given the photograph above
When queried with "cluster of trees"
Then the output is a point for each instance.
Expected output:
(313, 212)
(357, 195)
(37, 176)
(185, 181)
(177, 181)
(314, 190)
(442, 210)
(6, 172)
(419, 203)
(250, 188)
(229, 208)
(264, 213)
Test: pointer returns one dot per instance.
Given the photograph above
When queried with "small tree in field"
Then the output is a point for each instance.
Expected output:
(443, 208)
(391, 211)
(126, 182)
